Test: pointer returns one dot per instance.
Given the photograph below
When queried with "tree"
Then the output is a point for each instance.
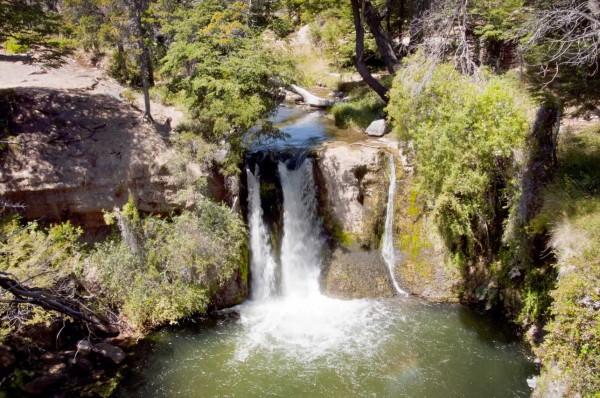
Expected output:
(138, 8)
(365, 13)
(226, 76)
(31, 25)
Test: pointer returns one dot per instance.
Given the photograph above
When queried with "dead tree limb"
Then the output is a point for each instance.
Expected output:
(26, 295)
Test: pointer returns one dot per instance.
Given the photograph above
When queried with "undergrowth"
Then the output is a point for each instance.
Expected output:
(571, 214)
(156, 271)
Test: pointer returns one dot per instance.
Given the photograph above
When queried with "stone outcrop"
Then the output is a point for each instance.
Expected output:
(377, 128)
(356, 274)
(77, 154)
(110, 352)
(423, 268)
(353, 186)
(354, 180)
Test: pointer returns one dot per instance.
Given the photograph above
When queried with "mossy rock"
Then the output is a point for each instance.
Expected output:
(355, 273)
(425, 268)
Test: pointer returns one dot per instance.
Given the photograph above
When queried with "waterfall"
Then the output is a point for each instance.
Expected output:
(387, 247)
(302, 239)
(263, 265)
(287, 313)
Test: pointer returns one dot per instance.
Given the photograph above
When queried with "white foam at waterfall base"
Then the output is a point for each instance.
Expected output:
(309, 328)
(301, 322)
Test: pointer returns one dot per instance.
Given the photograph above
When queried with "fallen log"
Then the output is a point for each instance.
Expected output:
(312, 99)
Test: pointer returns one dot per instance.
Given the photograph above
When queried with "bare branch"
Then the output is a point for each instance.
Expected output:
(46, 300)
(571, 31)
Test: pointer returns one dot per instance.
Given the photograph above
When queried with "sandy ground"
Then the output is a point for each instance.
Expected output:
(73, 75)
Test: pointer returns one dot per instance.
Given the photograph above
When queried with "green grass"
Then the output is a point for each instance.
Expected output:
(572, 215)
(12, 46)
(358, 112)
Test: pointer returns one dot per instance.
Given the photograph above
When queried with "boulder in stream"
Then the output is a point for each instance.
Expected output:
(377, 128)
(111, 352)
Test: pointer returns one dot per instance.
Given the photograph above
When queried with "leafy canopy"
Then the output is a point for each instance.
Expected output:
(221, 70)
(26, 25)
(464, 132)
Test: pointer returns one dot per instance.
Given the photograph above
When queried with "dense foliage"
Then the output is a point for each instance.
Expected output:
(571, 214)
(30, 25)
(163, 270)
(464, 132)
(218, 68)
(156, 271)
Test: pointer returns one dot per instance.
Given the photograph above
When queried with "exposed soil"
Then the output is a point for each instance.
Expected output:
(76, 148)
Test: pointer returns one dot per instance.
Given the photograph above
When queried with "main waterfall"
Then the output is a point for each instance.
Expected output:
(302, 239)
(289, 314)
(264, 267)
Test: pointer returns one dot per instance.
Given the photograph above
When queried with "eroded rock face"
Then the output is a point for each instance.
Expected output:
(80, 153)
(353, 186)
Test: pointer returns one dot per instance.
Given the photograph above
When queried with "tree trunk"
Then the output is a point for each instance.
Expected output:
(150, 66)
(361, 67)
(145, 85)
(144, 56)
(386, 51)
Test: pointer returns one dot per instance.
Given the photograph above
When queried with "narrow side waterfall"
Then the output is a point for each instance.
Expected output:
(302, 238)
(263, 265)
(387, 247)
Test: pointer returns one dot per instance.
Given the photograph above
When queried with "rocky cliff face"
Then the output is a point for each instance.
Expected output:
(75, 154)
(354, 181)
(353, 184)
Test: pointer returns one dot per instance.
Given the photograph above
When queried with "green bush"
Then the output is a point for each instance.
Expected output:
(13, 46)
(44, 258)
(464, 131)
(167, 269)
(282, 26)
(571, 213)
(358, 112)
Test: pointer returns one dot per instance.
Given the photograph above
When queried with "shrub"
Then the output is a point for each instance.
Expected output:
(358, 112)
(47, 259)
(175, 265)
(464, 131)
(13, 46)
(571, 214)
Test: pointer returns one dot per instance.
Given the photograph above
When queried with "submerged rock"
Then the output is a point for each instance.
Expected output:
(354, 274)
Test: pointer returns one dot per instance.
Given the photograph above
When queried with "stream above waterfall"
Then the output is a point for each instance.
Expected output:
(305, 128)
(290, 340)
